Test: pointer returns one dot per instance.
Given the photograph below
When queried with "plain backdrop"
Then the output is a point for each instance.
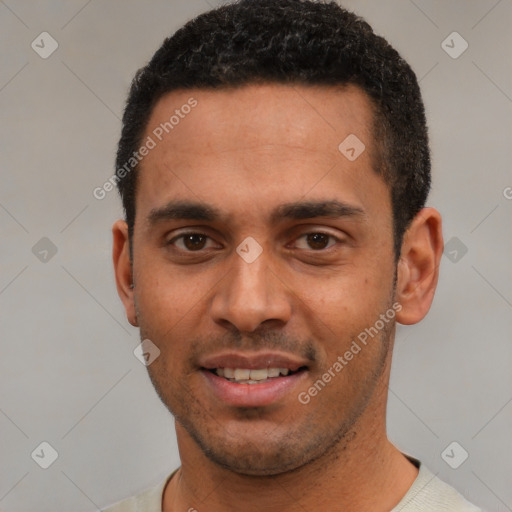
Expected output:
(68, 375)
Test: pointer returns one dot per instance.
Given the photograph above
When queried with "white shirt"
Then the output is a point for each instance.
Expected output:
(427, 494)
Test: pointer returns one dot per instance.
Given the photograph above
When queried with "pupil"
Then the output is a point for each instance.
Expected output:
(318, 240)
(194, 242)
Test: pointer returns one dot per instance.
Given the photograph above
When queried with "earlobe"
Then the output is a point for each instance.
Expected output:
(123, 269)
(418, 266)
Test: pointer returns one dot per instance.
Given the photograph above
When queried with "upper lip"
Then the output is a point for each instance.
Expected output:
(252, 361)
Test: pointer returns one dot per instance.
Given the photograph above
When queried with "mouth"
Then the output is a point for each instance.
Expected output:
(253, 375)
(254, 379)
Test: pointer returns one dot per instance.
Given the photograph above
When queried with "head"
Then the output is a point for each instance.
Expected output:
(252, 240)
(296, 43)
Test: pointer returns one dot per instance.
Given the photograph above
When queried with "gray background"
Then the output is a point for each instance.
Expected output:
(68, 374)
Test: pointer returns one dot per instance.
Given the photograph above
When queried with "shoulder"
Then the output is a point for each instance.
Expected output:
(149, 500)
(430, 494)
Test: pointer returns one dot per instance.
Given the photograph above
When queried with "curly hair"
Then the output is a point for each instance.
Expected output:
(292, 42)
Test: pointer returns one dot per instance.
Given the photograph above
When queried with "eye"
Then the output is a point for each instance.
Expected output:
(316, 241)
(191, 242)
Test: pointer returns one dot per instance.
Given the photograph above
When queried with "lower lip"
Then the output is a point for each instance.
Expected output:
(252, 395)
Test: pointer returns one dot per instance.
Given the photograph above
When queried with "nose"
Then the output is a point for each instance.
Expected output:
(250, 295)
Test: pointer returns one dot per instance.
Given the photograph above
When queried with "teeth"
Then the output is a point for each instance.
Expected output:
(273, 372)
(251, 376)
(259, 374)
(242, 374)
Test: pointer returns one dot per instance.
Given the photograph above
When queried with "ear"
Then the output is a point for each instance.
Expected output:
(418, 266)
(123, 269)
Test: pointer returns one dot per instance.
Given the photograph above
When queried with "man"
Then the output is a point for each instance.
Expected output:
(274, 168)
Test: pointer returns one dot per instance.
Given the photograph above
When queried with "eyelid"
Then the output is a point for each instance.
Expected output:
(305, 230)
(189, 231)
(318, 232)
(311, 229)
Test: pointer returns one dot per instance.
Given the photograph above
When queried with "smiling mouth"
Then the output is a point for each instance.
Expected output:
(253, 376)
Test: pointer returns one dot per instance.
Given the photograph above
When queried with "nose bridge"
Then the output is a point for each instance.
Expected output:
(250, 295)
(251, 278)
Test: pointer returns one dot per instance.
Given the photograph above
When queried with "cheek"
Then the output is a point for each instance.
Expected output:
(347, 302)
(163, 305)
(166, 293)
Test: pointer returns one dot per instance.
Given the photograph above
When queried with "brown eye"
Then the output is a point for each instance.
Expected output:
(317, 240)
(192, 246)
(194, 242)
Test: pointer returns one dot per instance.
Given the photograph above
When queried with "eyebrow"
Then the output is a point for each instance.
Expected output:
(311, 209)
(184, 210)
(300, 210)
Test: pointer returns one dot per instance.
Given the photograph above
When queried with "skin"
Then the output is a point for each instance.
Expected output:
(246, 152)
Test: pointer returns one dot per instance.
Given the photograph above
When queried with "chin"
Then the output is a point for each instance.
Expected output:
(245, 461)
(266, 452)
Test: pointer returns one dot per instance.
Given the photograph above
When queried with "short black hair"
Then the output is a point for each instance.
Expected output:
(299, 42)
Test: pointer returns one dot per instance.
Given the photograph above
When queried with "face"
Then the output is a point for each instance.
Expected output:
(261, 253)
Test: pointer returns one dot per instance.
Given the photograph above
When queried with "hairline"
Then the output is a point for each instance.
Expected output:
(379, 153)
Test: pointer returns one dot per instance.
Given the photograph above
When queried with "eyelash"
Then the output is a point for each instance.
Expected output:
(328, 235)
(183, 235)
(191, 233)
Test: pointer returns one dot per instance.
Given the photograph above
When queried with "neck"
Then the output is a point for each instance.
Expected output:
(363, 472)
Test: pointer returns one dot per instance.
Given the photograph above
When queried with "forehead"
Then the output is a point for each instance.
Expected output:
(259, 143)
(271, 113)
